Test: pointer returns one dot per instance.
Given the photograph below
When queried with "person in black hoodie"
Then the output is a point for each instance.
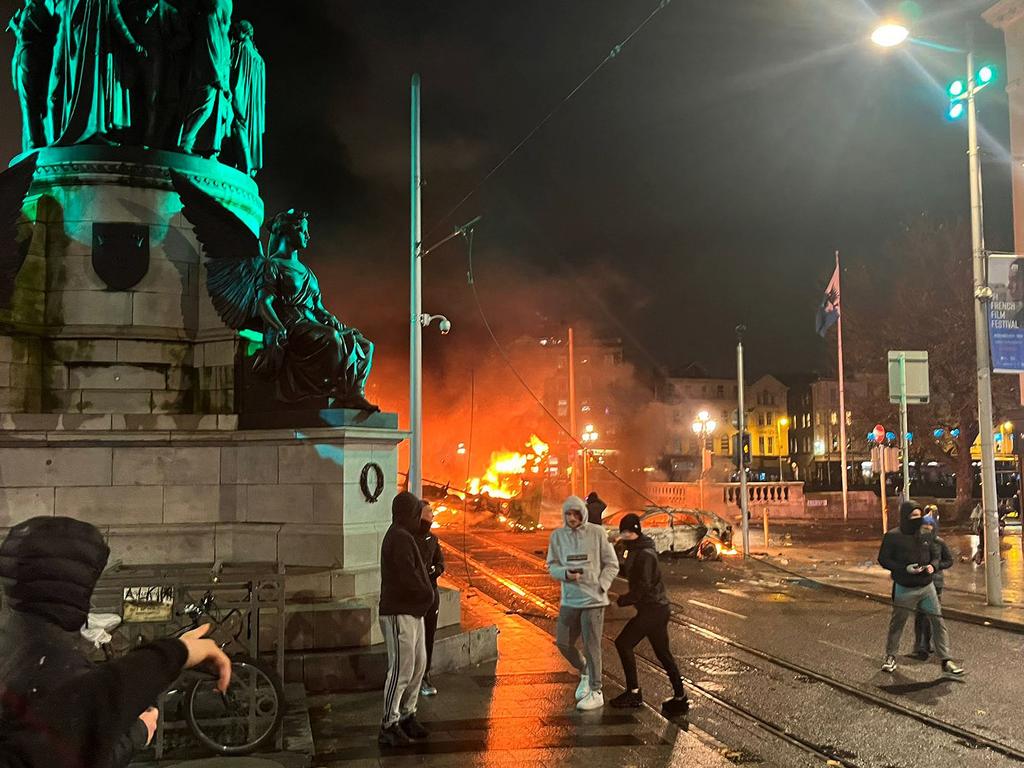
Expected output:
(908, 559)
(49, 567)
(73, 725)
(595, 508)
(647, 593)
(433, 558)
(941, 560)
(406, 595)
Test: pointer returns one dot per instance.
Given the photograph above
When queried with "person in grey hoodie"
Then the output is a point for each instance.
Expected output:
(584, 561)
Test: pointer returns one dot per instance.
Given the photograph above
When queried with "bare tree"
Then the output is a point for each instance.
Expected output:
(922, 298)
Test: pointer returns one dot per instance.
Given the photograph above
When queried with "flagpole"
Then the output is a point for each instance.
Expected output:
(842, 393)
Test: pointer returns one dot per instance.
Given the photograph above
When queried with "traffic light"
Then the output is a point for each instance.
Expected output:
(958, 90)
(736, 449)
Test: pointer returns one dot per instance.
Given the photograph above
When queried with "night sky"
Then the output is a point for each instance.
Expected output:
(702, 178)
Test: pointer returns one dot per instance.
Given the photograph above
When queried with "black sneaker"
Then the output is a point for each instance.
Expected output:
(951, 669)
(392, 736)
(413, 728)
(677, 705)
(628, 700)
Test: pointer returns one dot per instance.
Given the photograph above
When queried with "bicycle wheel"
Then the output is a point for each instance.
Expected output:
(246, 717)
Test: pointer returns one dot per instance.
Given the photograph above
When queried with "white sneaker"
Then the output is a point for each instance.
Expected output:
(583, 689)
(593, 700)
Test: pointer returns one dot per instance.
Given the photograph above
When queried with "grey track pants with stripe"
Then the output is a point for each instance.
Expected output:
(407, 661)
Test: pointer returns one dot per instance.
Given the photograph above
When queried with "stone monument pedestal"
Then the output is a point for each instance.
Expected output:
(119, 403)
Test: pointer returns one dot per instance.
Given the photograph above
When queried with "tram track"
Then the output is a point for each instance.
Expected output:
(549, 609)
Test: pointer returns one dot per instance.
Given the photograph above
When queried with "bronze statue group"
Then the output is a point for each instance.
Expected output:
(164, 74)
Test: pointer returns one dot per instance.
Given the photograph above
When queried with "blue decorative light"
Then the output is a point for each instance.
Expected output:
(939, 433)
(871, 437)
(910, 437)
(954, 433)
(890, 436)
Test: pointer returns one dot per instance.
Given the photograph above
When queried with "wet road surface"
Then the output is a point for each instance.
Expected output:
(839, 638)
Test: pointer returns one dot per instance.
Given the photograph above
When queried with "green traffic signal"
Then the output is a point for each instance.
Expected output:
(956, 88)
(956, 110)
(986, 75)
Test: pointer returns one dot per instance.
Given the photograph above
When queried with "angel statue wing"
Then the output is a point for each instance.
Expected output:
(14, 184)
(235, 257)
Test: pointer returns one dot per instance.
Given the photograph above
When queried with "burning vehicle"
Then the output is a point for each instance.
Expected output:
(509, 491)
(682, 532)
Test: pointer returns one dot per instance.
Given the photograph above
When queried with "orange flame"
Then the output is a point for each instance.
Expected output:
(503, 478)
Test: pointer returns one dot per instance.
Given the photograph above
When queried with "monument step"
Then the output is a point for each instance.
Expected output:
(332, 625)
(365, 669)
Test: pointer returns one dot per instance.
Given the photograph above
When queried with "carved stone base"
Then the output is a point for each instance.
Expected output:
(166, 490)
(80, 338)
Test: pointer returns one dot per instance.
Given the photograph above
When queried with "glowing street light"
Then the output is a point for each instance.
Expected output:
(889, 35)
(962, 95)
(703, 426)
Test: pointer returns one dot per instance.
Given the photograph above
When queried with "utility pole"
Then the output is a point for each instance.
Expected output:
(572, 414)
(415, 303)
(742, 423)
(904, 427)
(982, 297)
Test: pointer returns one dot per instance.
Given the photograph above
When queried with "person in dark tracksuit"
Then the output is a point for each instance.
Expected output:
(647, 593)
(406, 595)
(908, 560)
(942, 559)
(433, 559)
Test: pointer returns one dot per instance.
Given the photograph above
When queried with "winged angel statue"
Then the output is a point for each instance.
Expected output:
(306, 350)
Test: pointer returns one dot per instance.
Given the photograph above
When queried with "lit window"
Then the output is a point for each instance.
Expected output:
(724, 442)
(760, 445)
(833, 418)
(849, 418)
(771, 445)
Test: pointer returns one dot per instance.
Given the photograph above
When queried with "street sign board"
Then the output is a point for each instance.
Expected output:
(916, 376)
(1006, 312)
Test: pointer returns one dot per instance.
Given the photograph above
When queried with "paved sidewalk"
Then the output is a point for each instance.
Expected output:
(519, 711)
(851, 564)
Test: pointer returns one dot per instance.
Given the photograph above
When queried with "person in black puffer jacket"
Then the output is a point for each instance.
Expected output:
(909, 560)
(49, 567)
(406, 595)
(647, 593)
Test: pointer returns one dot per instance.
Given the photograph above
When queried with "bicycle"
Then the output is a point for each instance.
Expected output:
(238, 722)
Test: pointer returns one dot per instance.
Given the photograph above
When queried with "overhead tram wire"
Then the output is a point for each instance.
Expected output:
(612, 54)
(468, 234)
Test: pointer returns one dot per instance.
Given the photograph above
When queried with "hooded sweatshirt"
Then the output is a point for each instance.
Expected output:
(405, 588)
(643, 571)
(585, 549)
(902, 547)
(941, 557)
(49, 567)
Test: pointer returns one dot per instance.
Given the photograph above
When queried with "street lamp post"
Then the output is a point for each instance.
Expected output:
(783, 422)
(703, 427)
(889, 35)
(589, 437)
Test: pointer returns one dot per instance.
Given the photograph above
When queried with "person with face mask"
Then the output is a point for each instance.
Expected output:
(908, 559)
(647, 593)
(941, 560)
(582, 559)
(433, 559)
(406, 595)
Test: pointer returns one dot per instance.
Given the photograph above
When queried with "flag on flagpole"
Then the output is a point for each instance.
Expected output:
(828, 312)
